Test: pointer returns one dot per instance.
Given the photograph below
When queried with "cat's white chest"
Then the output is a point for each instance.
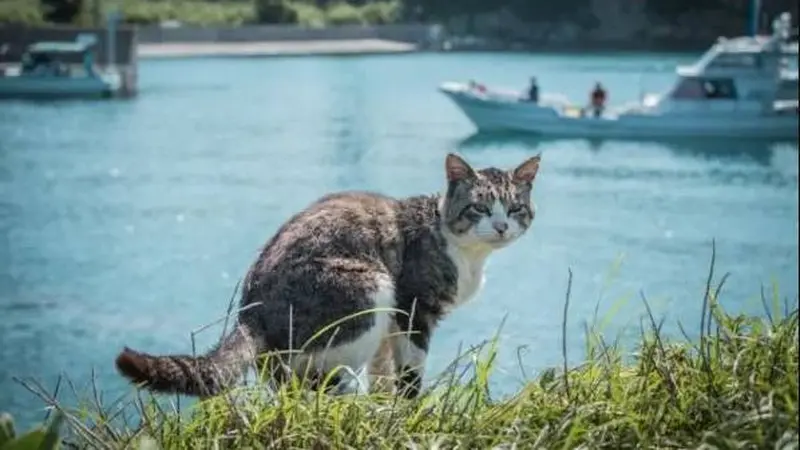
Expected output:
(470, 272)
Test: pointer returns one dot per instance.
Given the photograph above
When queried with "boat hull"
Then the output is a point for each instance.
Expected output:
(493, 115)
(54, 88)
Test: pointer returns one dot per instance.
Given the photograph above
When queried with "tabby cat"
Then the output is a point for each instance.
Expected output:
(370, 261)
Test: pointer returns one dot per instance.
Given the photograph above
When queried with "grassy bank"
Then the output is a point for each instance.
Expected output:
(734, 387)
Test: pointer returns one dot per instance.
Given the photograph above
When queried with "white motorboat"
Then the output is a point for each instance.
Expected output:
(64, 69)
(47, 72)
(733, 90)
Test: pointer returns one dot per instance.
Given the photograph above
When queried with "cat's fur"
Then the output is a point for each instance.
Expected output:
(348, 253)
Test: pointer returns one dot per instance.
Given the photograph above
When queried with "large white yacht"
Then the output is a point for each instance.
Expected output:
(737, 88)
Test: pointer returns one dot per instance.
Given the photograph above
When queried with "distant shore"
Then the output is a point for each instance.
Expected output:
(290, 40)
(321, 47)
(279, 40)
(272, 48)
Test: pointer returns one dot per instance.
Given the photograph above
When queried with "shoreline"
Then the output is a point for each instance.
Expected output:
(170, 50)
(356, 47)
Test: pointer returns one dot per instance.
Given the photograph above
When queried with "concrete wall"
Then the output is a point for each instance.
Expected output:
(412, 33)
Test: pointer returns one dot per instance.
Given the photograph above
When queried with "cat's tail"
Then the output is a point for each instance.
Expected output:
(202, 376)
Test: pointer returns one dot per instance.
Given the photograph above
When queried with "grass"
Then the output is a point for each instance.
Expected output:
(736, 387)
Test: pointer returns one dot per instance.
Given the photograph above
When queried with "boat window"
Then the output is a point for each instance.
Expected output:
(696, 89)
(735, 60)
(689, 88)
(719, 89)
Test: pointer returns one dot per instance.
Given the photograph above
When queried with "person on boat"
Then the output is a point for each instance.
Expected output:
(475, 86)
(598, 99)
(533, 91)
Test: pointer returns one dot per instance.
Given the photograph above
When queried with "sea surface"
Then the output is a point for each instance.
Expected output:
(130, 222)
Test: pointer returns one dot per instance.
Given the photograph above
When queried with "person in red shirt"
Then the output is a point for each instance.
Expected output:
(598, 99)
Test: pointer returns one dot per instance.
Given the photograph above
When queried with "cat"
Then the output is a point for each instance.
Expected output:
(374, 262)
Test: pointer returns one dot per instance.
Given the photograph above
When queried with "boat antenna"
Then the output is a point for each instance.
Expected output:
(755, 15)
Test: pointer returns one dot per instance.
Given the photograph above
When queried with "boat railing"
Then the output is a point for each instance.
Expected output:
(511, 95)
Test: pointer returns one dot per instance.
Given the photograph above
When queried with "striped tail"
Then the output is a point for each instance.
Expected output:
(201, 376)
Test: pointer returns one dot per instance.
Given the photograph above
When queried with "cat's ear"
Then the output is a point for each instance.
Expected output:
(526, 172)
(457, 169)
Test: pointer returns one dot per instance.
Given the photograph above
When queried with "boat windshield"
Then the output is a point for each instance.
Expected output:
(60, 59)
(59, 47)
(697, 88)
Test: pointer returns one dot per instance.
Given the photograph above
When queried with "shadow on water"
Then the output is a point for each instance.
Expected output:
(758, 151)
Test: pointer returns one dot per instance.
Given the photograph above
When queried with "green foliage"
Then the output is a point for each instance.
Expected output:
(382, 12)
(309, 15)
(317, 13)
(40, 438)
(21, 12)
(192, 12)
(63, 11)
(734, 387)
(275, 11)
(341, 13)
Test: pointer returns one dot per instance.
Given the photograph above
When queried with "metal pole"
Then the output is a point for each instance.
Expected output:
(111, 26)
(755, 16)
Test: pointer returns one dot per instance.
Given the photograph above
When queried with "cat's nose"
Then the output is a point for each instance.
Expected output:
(500, 227)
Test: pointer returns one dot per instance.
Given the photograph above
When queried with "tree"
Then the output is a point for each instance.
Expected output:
(62, 11)
(275, 11)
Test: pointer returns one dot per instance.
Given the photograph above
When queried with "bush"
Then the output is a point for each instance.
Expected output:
(222, 12)
(344, 14)
(146, 12)
(275, 11)
(309, 15)
(380, 13)
(21, 12)
(63, 11)
(341, 13)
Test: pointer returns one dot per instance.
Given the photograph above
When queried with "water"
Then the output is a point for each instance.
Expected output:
(129, 223)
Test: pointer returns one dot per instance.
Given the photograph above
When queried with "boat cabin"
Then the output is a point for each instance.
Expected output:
(742, 74)
(59, 59)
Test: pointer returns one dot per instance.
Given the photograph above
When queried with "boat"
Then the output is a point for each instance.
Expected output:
(737, 88)
(59, 69)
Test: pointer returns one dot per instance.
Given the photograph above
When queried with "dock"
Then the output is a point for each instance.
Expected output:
(272, 48)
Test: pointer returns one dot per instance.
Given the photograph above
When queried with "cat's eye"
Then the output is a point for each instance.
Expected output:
(515, 209)
(480, 209)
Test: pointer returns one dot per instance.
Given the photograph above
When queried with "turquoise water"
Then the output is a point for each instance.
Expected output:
(129, 223)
